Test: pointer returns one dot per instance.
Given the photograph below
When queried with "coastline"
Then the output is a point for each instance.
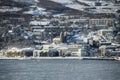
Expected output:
(59, 58)
(33, 58)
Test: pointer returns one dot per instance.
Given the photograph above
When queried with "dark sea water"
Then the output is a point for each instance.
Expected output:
(59, 70)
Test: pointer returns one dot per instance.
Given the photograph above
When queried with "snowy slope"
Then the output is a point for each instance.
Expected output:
(63, 1)
(91, 3)
(69, 3)
(27, 1)
(80, 5)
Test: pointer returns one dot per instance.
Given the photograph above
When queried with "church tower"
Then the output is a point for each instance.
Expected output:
(63, 37)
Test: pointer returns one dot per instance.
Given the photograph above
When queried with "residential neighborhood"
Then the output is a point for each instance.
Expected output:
(31, 29)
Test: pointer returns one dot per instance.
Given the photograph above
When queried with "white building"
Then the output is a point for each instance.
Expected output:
(105, 31)
(44, 23)
(102, 21)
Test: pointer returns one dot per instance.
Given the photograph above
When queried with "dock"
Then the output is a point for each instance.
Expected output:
(60, 58)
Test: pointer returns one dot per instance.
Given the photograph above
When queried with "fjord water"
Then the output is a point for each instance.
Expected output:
(59, 70)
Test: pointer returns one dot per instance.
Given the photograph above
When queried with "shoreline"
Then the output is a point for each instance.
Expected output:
(33, 58)
(59, 58)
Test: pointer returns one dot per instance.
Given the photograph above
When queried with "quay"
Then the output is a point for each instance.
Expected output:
(61, 58)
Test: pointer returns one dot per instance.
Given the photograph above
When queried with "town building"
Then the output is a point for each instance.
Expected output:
(63, 50)
(103, 32)
(109, 50)
(56, 40)
(102, 21)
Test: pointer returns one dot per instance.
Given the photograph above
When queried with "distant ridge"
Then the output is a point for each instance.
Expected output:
(12, 3)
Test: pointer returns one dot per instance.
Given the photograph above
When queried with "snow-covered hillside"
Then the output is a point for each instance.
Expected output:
(63, 1)
(106, 6)
(70, 3)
